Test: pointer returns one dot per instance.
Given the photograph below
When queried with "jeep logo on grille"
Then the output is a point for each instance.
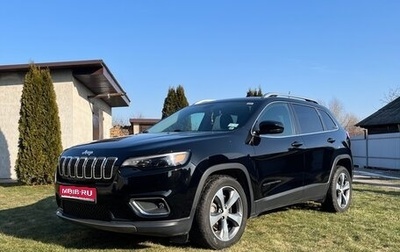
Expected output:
(86, 152)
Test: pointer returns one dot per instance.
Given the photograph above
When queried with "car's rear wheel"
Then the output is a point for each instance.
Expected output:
(221, 214)
(339, 194)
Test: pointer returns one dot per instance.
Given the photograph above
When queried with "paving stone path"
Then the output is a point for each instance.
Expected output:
(379, 177)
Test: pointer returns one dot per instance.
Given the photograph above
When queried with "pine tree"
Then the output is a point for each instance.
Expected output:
(259, 92)
(169, 103)
(181, 100)
(250, 93)
(174, 101)
(254, 92)
(39, 128)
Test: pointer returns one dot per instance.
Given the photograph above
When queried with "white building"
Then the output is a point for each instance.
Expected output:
(86, 92)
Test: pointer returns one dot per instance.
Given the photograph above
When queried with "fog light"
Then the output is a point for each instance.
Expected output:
(150, 207)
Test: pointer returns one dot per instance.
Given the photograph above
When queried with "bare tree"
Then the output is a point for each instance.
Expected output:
(336, 107)
(124, 120)
(119, 120)
(392, 95)
(350, 125)
(347, 120)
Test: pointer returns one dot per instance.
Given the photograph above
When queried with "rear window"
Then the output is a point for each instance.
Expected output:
(327, 120)
(308, 118)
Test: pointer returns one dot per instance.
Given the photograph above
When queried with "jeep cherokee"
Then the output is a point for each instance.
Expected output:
(200, 173)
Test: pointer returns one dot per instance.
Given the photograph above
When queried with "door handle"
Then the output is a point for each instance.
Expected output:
(297, 144)
(331, 140)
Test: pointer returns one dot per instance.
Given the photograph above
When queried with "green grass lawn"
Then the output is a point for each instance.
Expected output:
(28, 223)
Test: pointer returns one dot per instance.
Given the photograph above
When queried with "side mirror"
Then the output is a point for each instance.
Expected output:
(270, 127)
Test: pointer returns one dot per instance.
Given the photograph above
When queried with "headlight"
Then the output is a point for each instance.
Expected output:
(158, 161)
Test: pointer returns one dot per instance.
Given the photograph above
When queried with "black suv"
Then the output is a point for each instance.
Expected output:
(199, 174)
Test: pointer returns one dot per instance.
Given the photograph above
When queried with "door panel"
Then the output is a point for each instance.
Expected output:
(279, 158)
(319, 136)
(318, 158)
(279, 164)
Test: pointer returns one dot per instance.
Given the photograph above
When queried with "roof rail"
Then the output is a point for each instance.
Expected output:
(290, 96)
(203, 101)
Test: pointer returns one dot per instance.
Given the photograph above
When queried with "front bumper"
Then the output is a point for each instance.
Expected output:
(163, 228)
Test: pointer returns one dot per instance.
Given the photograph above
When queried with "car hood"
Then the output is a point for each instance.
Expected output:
(148, 143)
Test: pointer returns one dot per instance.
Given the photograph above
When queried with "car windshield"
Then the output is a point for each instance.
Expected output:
(208, 116)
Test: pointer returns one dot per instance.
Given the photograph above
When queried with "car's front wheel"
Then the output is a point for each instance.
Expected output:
(221, 214)
(339, 194)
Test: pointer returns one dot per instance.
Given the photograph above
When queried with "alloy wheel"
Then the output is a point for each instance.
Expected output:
(226, 213)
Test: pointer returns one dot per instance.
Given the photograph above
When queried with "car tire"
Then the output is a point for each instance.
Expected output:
(339, 194)
(221, 214)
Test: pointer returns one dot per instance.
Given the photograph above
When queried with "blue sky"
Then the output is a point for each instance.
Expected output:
(349, 50)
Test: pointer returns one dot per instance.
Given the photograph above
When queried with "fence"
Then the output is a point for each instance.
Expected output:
(377, 151)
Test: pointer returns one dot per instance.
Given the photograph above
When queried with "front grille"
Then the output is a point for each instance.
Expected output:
(86, 168)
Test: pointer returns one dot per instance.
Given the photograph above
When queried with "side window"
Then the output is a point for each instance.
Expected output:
(278, 112)
(308, 119)
(328, 121)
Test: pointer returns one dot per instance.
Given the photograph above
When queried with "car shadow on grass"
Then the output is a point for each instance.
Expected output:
(38, 222)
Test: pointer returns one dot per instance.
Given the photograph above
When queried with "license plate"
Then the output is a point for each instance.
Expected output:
(78, 193)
